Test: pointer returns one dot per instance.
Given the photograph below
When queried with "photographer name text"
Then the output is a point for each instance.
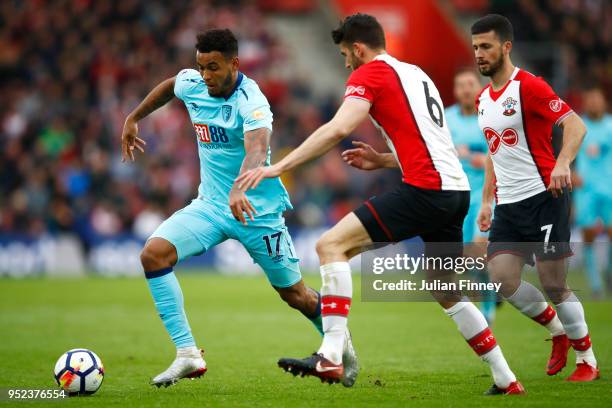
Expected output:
(434, 285)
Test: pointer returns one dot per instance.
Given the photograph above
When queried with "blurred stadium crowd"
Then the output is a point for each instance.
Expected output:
(71, 70)
(580, 29)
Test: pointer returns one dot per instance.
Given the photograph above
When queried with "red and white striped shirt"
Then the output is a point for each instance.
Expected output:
(406, 107)
(517, 122)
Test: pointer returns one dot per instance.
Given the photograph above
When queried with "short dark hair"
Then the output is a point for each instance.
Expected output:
(223, 41)
(497, 23)
(361, 28)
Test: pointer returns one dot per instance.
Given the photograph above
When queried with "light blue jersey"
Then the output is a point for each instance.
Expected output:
(596, 170)
(594, 165)
(465, 131)
(220, 124)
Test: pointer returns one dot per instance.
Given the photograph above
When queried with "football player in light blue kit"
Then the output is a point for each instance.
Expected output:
(233, 124)
(472, 149)
(593, 195)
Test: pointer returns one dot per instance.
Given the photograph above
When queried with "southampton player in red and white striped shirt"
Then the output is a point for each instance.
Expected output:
(516, 113)
(431, 200)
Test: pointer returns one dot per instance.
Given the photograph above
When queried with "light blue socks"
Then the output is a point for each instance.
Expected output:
(168, 299)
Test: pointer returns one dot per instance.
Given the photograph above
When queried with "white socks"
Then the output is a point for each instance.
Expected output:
(531, 302)
(336, 296)
(571, 314)
(568, 319)
(473, 326)
(188, 352)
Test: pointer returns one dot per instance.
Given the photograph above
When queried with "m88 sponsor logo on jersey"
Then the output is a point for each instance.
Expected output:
(208, 134)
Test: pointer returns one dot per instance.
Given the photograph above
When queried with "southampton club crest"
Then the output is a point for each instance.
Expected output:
(508, 106)
(226, 112)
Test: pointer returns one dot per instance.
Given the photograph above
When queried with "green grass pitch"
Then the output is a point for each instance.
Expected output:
(411, 353)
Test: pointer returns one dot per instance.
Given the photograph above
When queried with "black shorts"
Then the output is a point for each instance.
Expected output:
(538, 225)
(409, 211)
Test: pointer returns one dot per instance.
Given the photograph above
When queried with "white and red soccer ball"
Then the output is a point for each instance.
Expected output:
(79, 372)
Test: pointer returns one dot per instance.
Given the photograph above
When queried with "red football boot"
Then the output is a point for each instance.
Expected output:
(558, 356)
(583, 373)
(315, 365)
(515, 388)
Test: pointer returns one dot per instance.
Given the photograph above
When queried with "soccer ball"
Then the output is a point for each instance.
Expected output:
(79, 372)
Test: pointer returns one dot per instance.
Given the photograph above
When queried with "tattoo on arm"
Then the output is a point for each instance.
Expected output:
(256, 144)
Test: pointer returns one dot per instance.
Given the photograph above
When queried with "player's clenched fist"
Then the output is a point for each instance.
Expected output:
(484, 217)
(240, 204)
(130, 140)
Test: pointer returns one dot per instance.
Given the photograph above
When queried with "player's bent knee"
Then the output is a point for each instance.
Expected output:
(509, 282)
(504, 272)
(329, 246)
(508, 287)
(494, 266)
(321, 245)
(557, 294)
(158, 254)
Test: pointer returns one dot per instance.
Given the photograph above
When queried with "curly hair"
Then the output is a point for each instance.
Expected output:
(220, 40)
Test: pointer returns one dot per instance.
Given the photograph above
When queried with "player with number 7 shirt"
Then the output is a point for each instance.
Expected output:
(516, 113)
(431, 200)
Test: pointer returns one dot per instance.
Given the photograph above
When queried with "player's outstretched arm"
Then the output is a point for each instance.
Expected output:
(573, 135)
(486, 212)
(352, 112)
(365, 157)
(256, 144)
(158, 97)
